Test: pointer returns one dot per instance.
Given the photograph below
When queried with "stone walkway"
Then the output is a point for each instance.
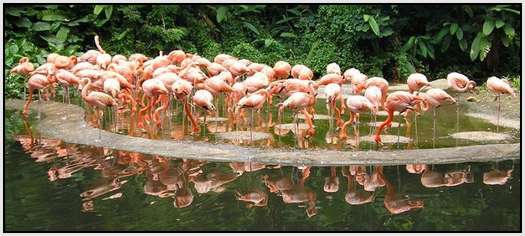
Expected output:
(66, 122)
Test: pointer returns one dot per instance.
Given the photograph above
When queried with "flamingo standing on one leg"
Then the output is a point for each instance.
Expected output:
(374, 95)
(204, 99)
(97, 100)
(36, 81)
(356, 104)
(253, 101)
(300, 101)
(459, 83)
(24, 67)
(66, 79)
(152, 88)
(181, 89)
(434, 98)
(400, 101)
(498, 87)
(333, 93)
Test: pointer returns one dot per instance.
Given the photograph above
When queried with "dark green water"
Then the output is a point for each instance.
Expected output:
(47, 185)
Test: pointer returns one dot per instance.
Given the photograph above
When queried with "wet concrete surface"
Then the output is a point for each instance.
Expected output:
(66, 122)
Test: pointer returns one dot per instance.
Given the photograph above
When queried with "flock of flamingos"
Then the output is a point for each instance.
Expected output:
(146, 86)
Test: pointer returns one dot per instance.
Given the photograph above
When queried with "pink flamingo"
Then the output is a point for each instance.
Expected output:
(36, 81)
(204, 99)
(24, 67)
(253, 101)
(400, 101)
(66, 79)
(300, 101)
(282, 70)
(356, 104)
(459, 83)
(302, 72)
(97, 100)
(354, 76)
(329, 79)
(375, 81)
(333, 93)
(152, 88)
(434, 98)
(374, 95)
(333, 68)
(181, 89)
(499, 86)
(416, 82)
(103, 59)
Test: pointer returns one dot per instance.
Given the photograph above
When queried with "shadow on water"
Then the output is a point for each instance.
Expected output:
(52, 185)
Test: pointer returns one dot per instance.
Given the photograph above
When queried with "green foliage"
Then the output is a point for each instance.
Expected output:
(380, 40)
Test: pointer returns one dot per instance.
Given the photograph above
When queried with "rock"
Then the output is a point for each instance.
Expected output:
(440, 83)
(472, 99)
(481, 136)
(387, 139)
(316, 117)
(376, 124)
(243, 135)
(213, 119)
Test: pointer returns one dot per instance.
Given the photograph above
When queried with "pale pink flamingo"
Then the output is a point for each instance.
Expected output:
(153, 89)
(416, 82)
(24, 67)
(329, 79)
(66, 79)
(181, 89)
(432, 99)
(498, 87)
(97, 100)
(36, 81)
(333, 93)
(302, 72)
(356, 104)
(459, 83)
(333, 68)
(375, 81)
(282, 70)
(204, 99)
(354, 76)
(253, 101)
(89, 56)
(300, 101)
(103, 59)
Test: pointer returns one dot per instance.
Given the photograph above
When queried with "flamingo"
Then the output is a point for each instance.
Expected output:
(103, 59)
(97, 100)
(66, 79)
(329, 79)
(83, 66)
(152, 88)
(333, 93)
(302, 72)
(459, 83)
(282, 70)
(374, 81)
(498, 87)
(333, 68)
(354, 76)
(89, 56)
(38, 82)
(416, 82)
(400, 101)
(434, 98)
(253, 101)
(204, 99)
(214, 69)
(300, 101)
(118, 59)
(24, 67)
(374, 95)
(181, 89)
(356, 104)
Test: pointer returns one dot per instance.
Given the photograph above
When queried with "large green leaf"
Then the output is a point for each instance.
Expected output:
(221, 13)
(505, 40)
(366, 17)
(23, 22)
(41, 26)
(499, 23)
(463, 44)
(53, 17)
(250, 27)
(409, 44)
(107, 11)
(484, 48)
(13, 11)
(374, 26)
(459, 34)
(98, 9)
(439, 36)
(474, 47)
(288, 35)
(62, 33)
(12, 49)
(423, 49)
(488, 27)
(453, 28)
(509, 30)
